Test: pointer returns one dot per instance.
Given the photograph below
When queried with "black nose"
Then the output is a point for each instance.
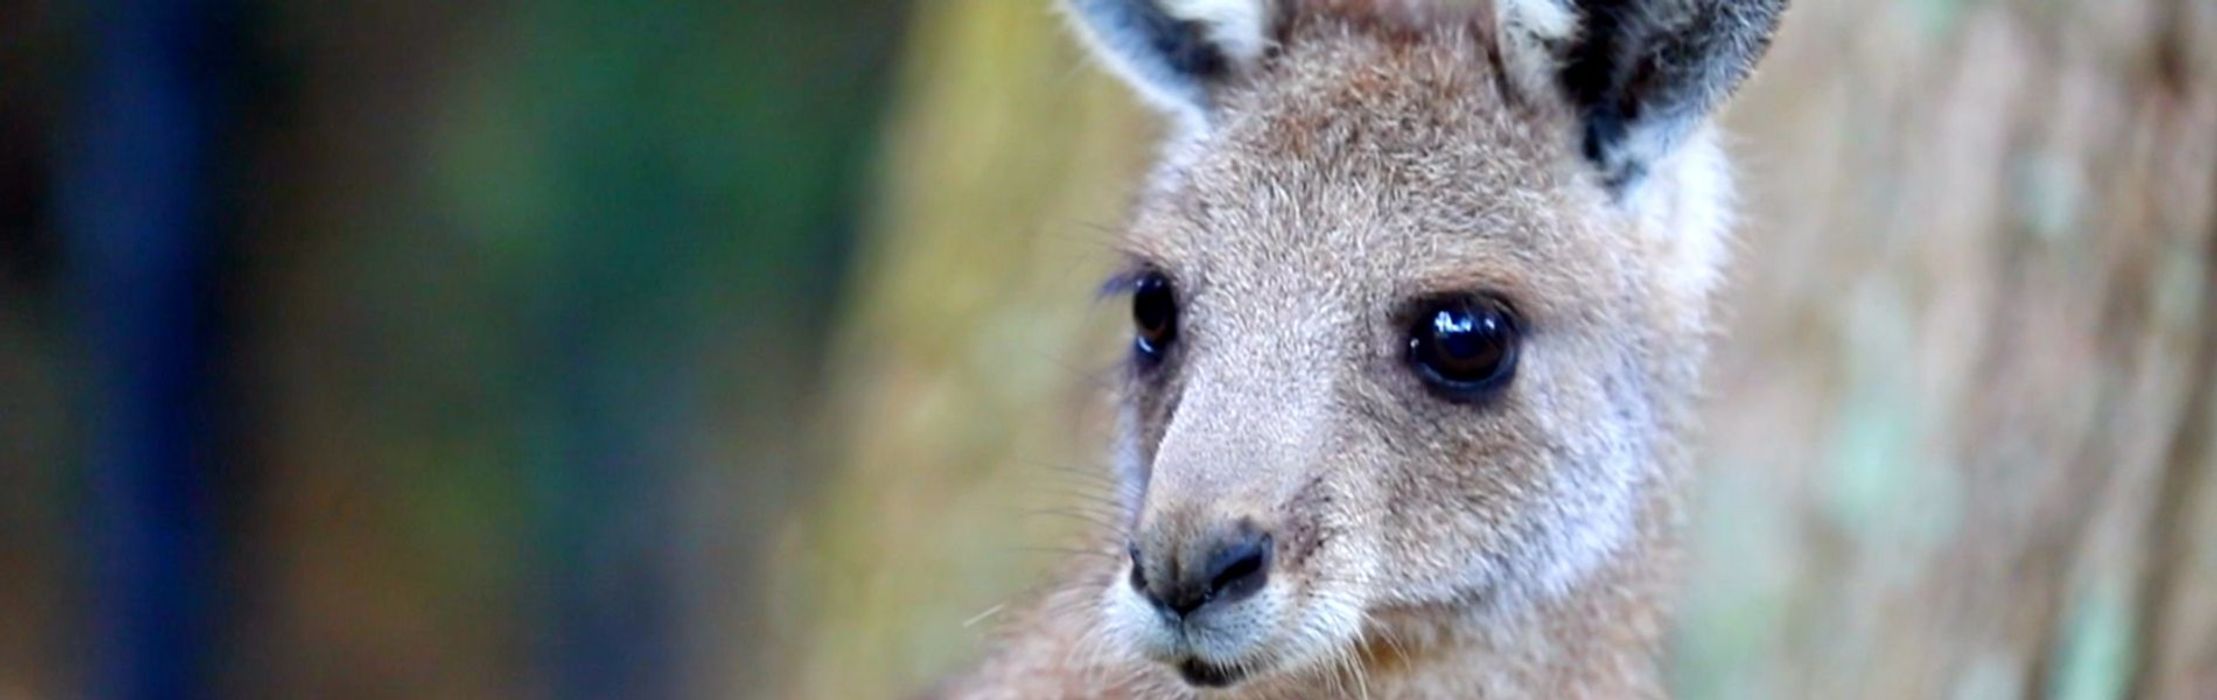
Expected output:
(1231, 567)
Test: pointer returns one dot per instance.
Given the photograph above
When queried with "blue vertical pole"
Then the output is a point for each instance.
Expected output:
(135, 215)
(618, 339)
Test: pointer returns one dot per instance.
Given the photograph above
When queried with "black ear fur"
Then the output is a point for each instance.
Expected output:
(1644, 73)
(1167, 56)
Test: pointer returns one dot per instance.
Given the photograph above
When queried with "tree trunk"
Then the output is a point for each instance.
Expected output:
(967, 382)
(1958, 430)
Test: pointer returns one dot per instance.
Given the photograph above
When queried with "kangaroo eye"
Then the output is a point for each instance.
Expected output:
(1154, 316)
(1464, 348)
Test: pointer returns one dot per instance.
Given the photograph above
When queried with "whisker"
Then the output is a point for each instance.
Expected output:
(1112, 556)
(981, 617)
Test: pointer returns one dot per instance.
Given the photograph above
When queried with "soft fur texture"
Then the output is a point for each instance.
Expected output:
(1341, 161)
(1172, 50)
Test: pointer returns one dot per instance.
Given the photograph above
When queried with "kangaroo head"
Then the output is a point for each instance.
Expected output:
(1419, 297)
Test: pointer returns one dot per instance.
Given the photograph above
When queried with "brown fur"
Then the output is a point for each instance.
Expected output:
(1521, 547)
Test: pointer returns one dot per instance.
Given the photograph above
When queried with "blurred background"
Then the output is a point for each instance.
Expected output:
(743, 348)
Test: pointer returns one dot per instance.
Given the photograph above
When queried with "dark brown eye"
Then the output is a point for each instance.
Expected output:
(1464, 348)
(1154, 316)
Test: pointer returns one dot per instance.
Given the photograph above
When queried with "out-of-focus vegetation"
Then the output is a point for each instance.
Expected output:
(751, 348)
(519, 314)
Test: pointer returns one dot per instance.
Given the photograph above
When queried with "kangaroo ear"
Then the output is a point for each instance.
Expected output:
(1172, 51)
(1642, 74)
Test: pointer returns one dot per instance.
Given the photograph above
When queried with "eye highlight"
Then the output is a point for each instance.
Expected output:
(1154, 316)
(1464, 348)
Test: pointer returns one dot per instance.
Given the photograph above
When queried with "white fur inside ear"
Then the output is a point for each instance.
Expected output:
(1171, 50)
(1530, 32)
(1238, 28)
(1687, 203)
(1546, 20)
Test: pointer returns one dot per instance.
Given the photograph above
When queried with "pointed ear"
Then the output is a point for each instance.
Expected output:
(1173, 51)
(1642, 74)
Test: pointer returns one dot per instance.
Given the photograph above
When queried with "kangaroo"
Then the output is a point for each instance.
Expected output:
(1420, 297)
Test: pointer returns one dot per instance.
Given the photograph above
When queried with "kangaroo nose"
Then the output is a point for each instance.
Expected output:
(1228, 569)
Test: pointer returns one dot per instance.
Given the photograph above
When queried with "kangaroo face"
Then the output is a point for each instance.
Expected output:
(1402, 342)
(1384, 361)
